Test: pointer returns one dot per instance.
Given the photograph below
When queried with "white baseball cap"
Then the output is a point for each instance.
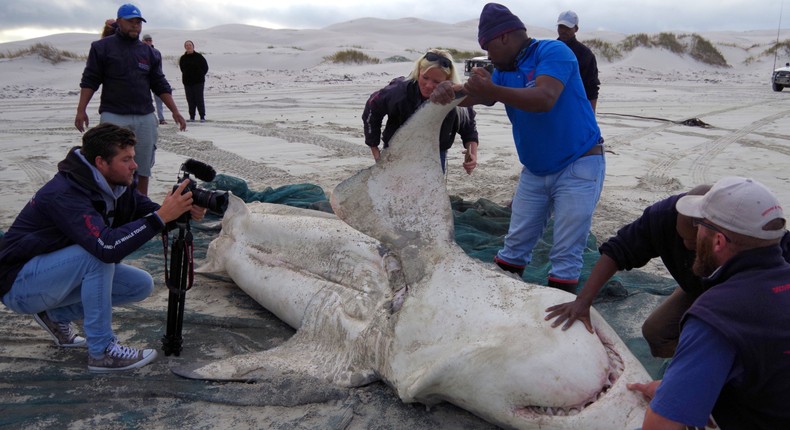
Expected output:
(568, 19)
(741, 205)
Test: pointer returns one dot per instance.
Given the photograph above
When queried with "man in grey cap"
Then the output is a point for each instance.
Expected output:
(567, 26)
(733, 358)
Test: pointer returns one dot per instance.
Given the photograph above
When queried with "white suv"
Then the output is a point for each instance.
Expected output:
(781, 78)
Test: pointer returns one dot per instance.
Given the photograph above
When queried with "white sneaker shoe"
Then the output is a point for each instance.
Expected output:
(117, 358)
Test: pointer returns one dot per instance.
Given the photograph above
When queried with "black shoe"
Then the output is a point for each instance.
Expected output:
(507, 267)
(569, 287)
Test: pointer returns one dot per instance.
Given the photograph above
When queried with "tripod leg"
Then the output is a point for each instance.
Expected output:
(171, 342)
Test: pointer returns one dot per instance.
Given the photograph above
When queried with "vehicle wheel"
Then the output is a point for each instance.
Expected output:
(777, 87)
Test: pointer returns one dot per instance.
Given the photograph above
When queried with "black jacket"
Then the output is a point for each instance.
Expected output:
(588, 67)
(193, 68)
(398, 101)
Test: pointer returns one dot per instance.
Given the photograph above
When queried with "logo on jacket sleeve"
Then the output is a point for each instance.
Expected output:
(93, 230)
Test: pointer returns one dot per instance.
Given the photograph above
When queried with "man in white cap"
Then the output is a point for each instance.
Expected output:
(733, 358)
(567, 26)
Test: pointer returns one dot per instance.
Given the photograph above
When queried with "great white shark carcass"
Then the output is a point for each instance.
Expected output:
(382, 291)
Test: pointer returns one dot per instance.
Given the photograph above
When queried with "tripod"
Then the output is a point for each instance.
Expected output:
(181, 275)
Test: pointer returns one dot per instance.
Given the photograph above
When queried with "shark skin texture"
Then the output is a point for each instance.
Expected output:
(380, 291)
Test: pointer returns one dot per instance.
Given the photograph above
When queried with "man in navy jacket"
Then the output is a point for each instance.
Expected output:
(660, 232)
(129, 70)
(733, 358)
(61, 258)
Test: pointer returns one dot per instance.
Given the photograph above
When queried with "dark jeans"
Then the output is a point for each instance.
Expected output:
(194, 95)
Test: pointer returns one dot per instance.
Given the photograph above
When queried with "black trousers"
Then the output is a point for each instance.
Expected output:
(194, 95)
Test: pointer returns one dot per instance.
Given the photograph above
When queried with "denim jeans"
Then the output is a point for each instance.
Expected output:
(160, 113)
(72, 284)
(570, 195)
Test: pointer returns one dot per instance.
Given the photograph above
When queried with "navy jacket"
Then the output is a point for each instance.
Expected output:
(588, 67)
(748, 301)
(398, 101)
(70, 209)
(129, 70)
(654, 235)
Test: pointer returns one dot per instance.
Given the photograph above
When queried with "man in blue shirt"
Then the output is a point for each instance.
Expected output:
(733, 358)
(557, 139)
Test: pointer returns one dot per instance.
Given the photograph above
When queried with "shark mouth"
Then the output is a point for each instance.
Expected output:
(616, 368)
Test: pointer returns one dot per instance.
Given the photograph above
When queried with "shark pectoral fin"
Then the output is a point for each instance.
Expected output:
(293, 360)
(274, 386)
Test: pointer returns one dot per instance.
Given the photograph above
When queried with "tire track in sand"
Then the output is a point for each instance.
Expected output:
(701, 164)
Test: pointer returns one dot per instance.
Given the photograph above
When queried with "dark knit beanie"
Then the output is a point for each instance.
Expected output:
(496, 20)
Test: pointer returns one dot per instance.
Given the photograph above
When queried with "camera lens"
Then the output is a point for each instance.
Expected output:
(215, 201)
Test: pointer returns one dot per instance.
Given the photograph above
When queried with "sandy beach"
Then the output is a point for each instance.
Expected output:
(279, 114)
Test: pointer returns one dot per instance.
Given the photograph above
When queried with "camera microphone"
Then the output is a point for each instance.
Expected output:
(202, 171)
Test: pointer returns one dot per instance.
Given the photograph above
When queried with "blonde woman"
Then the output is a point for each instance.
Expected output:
(403, 96)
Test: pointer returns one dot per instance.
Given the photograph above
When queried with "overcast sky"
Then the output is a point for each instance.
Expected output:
(25, 19)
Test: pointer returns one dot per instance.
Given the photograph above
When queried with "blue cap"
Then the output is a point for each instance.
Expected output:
(129, 11)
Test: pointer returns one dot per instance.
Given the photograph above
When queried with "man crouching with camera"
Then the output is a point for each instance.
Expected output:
(61, 258)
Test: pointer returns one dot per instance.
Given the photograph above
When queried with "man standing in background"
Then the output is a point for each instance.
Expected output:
(567, 26)
(148, 40)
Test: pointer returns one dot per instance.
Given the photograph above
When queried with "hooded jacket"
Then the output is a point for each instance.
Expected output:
(72, 209)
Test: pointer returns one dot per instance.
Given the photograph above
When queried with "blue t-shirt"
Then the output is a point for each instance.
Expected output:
(703, 363)
(547, 142)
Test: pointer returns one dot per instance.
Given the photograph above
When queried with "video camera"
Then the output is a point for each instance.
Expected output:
(215, 201)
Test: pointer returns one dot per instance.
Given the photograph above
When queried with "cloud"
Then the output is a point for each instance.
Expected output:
(624, 16)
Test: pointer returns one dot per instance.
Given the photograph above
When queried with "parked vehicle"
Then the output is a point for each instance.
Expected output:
(482, 62)
(781, 78)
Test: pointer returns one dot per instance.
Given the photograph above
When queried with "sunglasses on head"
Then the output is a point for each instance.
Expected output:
(443, 61)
